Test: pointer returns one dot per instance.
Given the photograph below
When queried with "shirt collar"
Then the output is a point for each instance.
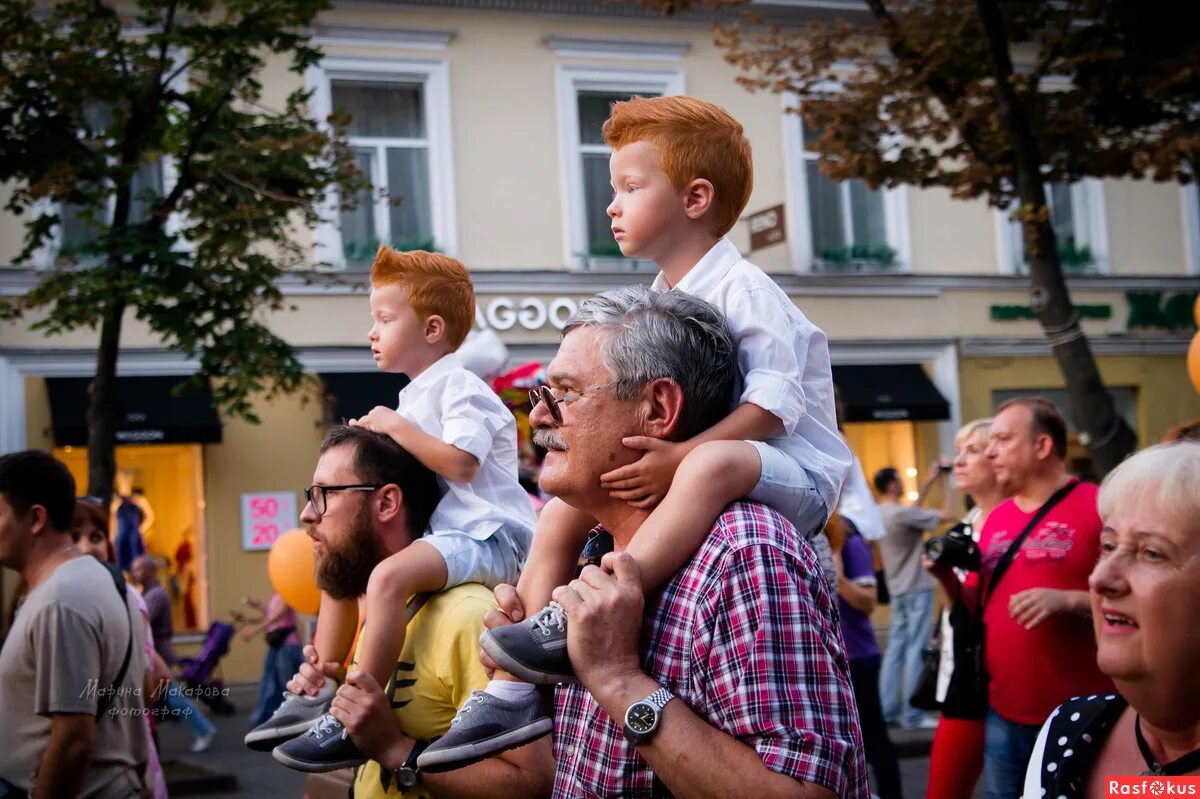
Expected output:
(447, 363)
(708, 271)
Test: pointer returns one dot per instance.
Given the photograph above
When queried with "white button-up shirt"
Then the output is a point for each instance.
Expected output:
(858, 504)
(452, 404)
(784, 360)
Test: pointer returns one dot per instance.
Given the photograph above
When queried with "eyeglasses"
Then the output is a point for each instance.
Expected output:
(543, 394)
(317, 495)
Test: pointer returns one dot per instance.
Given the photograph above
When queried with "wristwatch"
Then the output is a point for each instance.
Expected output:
(407, 775)
(641, 719)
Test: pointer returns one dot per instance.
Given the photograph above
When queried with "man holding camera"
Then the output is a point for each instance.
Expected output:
(1038, 549)
(911, 591)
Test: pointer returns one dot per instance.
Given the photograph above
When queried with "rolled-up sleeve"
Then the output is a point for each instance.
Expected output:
(770, 354)
(775, 675)
(470, 420)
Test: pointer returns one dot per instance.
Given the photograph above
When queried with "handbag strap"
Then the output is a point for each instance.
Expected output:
(118, 579)
(1010, 554)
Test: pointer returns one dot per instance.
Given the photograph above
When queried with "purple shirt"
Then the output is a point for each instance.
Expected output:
(745, 636)
(857, 630)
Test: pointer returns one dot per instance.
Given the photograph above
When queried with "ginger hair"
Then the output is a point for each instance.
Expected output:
(434, 284)
(691, 139)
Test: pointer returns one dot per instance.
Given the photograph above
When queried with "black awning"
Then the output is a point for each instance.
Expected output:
(889, 392)
(353, 394)
(147, 412)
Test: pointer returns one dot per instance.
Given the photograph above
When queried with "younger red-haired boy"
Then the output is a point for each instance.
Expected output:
(681, 175)
(422, 307)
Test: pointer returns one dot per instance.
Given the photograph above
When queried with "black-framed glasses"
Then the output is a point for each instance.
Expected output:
(543, 394)
(317, 495)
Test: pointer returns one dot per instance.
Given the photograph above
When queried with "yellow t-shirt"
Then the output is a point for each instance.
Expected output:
(437, 670)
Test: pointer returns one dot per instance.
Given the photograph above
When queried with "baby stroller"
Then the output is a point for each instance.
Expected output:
(197, 672)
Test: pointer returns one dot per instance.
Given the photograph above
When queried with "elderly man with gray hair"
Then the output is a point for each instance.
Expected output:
(731, 680)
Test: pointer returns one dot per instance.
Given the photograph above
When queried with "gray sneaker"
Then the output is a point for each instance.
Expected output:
(294, 717)
(534, 650)
(484, 727)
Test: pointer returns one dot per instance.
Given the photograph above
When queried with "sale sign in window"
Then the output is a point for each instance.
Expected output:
(265, 517)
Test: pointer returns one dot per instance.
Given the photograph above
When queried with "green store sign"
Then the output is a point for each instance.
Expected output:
(1147, 309)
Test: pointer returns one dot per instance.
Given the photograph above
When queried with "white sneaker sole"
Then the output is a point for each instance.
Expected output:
(314, 768)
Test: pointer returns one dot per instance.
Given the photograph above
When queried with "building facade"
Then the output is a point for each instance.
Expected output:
(485, 116)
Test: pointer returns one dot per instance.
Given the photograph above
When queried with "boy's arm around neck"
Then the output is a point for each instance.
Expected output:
(747, 422)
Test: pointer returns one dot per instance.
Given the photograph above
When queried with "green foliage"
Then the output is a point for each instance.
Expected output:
(363, 252)
(605, 249)
(91, 92)
(858, 256)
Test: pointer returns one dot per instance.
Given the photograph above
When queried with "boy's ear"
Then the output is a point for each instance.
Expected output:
(698, 198)
(435, 329)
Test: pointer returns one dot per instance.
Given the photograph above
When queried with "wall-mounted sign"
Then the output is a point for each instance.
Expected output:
(265, 517)
(1149, 309)
(1007, 313)
(531, 313)
(766, 228)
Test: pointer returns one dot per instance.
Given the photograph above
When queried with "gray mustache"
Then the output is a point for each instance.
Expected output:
(549, 439)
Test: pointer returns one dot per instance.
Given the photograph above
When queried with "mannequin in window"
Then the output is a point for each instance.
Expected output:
(132, 517)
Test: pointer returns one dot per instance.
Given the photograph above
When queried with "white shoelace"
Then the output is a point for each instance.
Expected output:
(475, 698)
(551, 614)
(325, 725)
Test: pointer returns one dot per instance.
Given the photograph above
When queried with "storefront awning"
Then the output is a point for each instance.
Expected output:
(888, 392)
(354, 394)
(147, 412)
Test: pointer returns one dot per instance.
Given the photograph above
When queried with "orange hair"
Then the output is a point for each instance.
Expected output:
(692, 139)
(435, 285)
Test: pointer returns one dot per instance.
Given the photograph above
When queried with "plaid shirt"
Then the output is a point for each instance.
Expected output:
(746, 635)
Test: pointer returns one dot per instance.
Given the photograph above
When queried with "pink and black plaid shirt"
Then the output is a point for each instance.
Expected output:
(747, 636)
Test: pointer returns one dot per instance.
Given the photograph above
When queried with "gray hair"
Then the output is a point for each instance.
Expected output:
(1165, 477)
(667, 334)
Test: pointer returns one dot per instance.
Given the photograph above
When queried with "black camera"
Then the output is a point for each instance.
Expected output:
(956, 549)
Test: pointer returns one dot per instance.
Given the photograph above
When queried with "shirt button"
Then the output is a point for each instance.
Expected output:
(570, 751)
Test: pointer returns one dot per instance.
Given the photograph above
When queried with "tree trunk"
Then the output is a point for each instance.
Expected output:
(1109, 438)
(102, 404)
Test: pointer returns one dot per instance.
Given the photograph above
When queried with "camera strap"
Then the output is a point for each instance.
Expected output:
(1010, 554)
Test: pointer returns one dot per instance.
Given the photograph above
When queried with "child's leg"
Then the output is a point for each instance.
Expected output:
(336, 622)
(708, 478)
(418, 568)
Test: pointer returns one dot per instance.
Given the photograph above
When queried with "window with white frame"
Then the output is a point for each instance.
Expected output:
(1077, 216)
(585, 97)
(76, 237)
(399, 130)
(841, 225)
(1191, 226)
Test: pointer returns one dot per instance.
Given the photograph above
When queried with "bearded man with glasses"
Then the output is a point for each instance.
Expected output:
(369, 499)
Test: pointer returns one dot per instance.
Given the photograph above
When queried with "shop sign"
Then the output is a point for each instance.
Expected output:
(1149, 309)
(530, 313)
(265, 517)
(766, 228)
(1007, 313)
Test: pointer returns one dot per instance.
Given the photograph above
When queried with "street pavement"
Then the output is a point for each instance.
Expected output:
(258, 775)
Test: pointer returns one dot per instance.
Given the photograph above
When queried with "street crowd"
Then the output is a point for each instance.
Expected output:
(689, 614)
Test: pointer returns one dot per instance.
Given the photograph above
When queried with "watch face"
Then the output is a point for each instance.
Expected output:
(641, 718)
(406, 778)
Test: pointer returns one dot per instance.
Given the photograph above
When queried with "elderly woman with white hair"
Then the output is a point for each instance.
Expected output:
(1145, 594)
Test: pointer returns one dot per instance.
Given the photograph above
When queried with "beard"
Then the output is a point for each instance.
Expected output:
(342, 571)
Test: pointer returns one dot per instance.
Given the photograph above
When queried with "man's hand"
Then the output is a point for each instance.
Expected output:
(604, 610)
(380, 420)
(511, 611)
(645, 482)
(364, 710)
(312, 673)
(1031, 608)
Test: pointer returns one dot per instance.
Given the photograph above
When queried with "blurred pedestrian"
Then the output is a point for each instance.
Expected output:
(89, 531)
(857, 599)
(145, 574)
(1143, 592)
(277, 623)
(911, 591)
(956, 758)
(72, 667)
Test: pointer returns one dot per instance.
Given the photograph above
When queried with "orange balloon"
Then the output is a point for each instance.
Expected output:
(290, 567)
(1196, 310)
(1193, 361)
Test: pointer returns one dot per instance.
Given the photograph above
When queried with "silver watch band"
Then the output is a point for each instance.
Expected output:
(659, 698)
